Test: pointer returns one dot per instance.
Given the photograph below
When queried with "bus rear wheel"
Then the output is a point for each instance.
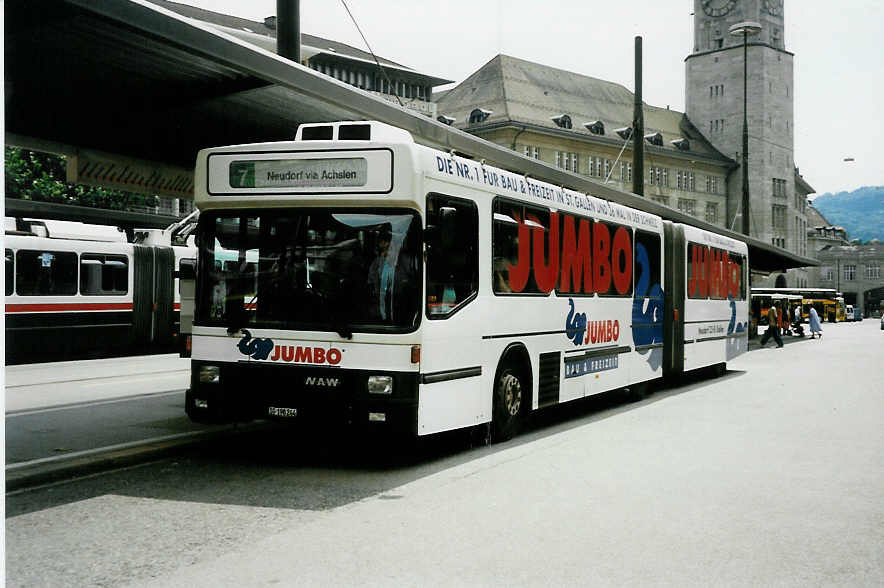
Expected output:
(510, 395)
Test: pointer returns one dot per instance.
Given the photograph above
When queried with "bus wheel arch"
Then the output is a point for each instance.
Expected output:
(512, 392)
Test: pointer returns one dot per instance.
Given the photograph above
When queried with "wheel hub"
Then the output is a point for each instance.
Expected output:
(512, 394)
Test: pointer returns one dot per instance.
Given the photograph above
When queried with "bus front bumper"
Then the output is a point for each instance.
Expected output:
(365, 399)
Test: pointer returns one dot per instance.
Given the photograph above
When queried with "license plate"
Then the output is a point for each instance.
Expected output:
(275, 411)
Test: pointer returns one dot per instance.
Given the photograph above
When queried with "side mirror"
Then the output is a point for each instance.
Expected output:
(187, 269)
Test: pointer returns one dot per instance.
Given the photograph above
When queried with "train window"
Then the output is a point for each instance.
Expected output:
(46, 273)
(10, 272)
(103, 275)
(453, 254)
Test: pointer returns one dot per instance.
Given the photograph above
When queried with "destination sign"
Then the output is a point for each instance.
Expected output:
(299, 173)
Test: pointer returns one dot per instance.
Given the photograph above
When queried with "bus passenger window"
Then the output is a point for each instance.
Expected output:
(648, 261)
(10, 272)
(452, 254)
(46, 273)
(512, 265)
(103, 275)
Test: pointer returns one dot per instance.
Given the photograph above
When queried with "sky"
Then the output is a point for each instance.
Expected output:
(838, 48)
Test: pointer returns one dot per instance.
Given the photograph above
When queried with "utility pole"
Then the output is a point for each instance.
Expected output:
(288, 29)
(745, 29)
(638, 127)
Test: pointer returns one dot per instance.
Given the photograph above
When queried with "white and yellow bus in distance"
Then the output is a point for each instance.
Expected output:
(404, 288)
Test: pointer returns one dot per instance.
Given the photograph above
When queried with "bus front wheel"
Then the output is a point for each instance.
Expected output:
(510, 395)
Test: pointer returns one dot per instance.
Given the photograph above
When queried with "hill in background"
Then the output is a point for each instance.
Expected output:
(861, 212)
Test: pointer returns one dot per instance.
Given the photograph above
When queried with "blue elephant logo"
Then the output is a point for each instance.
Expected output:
(255, 348)
(733, 326)
(647, 323)
(575, 324)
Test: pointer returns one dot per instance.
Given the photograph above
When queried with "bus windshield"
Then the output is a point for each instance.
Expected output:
(311, 269)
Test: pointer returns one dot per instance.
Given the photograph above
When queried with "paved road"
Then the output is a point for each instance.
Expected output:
(771, 475)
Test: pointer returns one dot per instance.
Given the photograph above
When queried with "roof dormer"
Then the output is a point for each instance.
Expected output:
(596, 127)
(562, 121)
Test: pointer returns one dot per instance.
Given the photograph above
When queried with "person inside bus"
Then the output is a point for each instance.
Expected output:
(773, 329)
(380, 275)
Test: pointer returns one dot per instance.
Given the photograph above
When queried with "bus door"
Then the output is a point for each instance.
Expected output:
(451, 368)
(675, 263)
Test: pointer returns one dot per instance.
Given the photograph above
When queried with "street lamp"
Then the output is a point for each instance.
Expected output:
(745, 29)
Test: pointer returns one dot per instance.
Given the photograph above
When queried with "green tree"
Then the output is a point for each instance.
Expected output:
(33, 175)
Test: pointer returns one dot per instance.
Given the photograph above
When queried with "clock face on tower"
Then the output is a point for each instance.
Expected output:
(718, 7)
(774, 7)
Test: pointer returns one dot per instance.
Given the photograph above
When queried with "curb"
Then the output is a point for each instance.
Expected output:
(47, 470)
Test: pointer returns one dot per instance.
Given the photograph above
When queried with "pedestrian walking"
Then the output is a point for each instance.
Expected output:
(815, 328)
(773, 329)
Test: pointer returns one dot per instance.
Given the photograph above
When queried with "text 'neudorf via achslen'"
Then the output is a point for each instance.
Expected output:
(554, 196)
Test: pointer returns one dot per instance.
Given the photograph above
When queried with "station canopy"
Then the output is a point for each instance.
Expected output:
(137, 85)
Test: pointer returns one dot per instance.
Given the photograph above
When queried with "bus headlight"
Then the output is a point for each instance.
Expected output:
(209, 374)
(380, 384)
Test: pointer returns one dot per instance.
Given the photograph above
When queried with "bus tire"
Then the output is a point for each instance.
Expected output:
(511, 393)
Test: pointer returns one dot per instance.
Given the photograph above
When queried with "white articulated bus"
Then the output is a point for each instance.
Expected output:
(401, 287)
(76, 291)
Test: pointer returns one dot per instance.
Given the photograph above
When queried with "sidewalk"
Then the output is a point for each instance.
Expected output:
(42, 385)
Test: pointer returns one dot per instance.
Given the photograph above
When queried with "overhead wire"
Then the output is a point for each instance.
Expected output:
(378, 63)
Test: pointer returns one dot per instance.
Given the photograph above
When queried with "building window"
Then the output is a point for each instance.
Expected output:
(850, 272)
(530, 151)
(778, 213)
(566, 160)
(779, 188)
(827, 274)
(595, 127)
(479, 115)
(692, 184)
(607, 168)
(679, 180)
(687, 206)
(562, 121)
(711, 212)
(664, 200)
(873, 272)
(598, 166)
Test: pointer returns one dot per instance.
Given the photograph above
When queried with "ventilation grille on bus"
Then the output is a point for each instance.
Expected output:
(548, 384)
(352, 131)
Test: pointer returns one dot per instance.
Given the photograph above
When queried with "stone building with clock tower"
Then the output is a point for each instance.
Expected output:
(714, 104)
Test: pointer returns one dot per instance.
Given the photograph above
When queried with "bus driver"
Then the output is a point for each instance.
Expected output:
(380, 275)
